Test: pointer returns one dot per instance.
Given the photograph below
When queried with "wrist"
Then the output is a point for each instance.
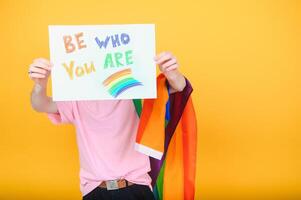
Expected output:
(173, 76)
(176, 80)
(39, 87)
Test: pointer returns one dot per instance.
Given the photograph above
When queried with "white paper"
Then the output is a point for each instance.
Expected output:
(132, 78)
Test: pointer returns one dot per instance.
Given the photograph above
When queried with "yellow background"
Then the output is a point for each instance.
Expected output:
(242, 57)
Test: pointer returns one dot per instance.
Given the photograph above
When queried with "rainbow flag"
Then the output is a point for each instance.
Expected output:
(120, 81)
(168, 134)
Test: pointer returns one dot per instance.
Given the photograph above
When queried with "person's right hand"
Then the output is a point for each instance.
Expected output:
(39, 71)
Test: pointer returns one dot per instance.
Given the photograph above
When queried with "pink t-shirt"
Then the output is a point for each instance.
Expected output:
(105, 134)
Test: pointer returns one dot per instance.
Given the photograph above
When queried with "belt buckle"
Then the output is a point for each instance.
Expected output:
(112, 185)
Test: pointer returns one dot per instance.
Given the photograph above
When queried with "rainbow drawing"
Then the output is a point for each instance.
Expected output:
(120, 81)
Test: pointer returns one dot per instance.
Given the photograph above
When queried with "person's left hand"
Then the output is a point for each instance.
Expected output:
(168, 64)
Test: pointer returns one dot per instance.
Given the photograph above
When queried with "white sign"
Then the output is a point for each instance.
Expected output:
(103, 62)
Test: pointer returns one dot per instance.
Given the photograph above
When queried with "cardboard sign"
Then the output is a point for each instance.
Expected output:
(103, 62)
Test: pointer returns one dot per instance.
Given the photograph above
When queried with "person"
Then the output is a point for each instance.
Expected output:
(110, 167)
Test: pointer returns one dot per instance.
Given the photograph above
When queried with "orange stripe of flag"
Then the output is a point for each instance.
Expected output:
(189, 125)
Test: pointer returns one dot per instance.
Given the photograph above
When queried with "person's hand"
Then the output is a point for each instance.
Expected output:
(39, 71)
(168, 64)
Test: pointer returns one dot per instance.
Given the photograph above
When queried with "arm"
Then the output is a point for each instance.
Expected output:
(40, 71)
(169, 67)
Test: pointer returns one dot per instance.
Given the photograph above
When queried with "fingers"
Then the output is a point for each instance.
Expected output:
(170, 62)
(42, 63)
(163, 57)
(166, 61)
(40, 68)
(172, 67)
(157, 57)
(43, 60)
(36, 75)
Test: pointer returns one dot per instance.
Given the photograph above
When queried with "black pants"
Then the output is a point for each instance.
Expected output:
(132, 192)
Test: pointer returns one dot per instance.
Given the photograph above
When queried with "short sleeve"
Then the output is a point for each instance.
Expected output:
(65, 114)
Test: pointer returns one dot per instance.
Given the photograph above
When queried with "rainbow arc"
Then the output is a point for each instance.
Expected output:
(120, 81)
